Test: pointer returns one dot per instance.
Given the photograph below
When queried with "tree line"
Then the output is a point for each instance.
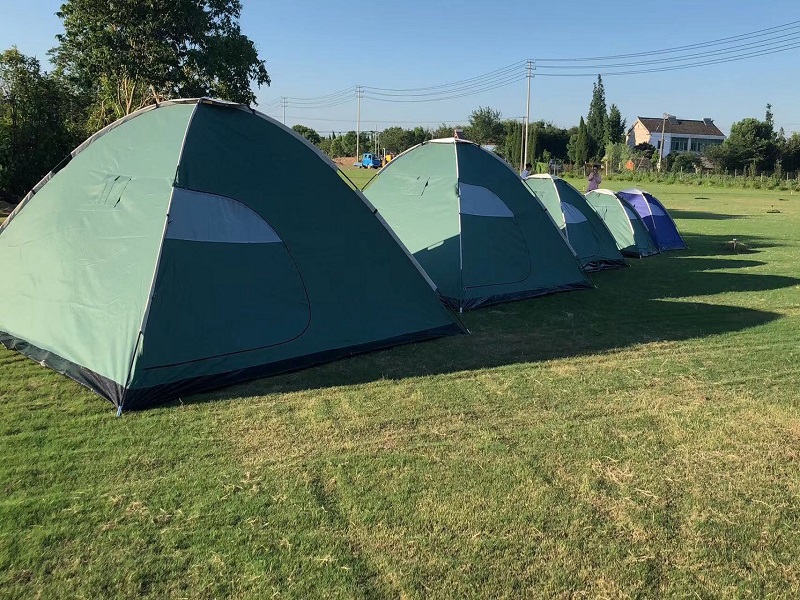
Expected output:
(754, 146)
(583, 143)
(112, 59)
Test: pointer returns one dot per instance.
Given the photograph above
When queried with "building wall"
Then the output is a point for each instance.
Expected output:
(639, 134)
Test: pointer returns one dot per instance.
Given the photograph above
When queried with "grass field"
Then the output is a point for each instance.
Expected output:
(640, 439)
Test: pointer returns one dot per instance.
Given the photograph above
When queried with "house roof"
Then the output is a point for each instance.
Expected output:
(681, 126)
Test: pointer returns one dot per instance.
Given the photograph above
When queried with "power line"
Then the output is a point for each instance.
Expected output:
(506, 69)
(676, 67)
(381, 121)
(294, 104)
(782, 38)
(347, 91)
(497, 79)
(757, 33)
(514, 79)
(775, 43)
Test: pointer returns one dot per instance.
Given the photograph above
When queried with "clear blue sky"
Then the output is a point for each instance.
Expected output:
(318, 47)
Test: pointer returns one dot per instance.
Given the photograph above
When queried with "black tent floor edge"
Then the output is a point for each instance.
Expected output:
(604, 264)
(137, 399)
(474, 303)
(110, 390)
(143, 398)
(637, 254)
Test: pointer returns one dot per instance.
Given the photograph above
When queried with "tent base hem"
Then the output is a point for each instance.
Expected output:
(141, 398)
(473, 303)
(605, 264)
(108, 389)
(636, 253)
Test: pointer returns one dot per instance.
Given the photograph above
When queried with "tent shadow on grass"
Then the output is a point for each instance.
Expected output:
(678, 213)
(720, 245)
(630, 306)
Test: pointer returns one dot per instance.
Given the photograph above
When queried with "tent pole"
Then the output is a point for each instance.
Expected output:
(358, 123)
(529, 75)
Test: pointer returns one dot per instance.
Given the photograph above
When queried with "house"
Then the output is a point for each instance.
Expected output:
(680, 135)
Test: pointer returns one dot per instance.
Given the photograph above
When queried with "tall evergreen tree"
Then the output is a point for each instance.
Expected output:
(597, 118)
(512, 144)
(615, 126)
(533, 143)
(579, 145)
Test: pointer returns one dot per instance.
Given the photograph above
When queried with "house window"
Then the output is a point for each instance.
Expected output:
(679, 144)
(700, 145)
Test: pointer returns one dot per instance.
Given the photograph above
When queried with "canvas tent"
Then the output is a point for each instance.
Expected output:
(197, 244)
(580, 225)
(623, 222)
(656, 218)
(470, 222)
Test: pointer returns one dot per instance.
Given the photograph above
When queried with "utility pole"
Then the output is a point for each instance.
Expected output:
(529, 68)
(284, 102)
(522, 145)
(359, 94)
(661, 150)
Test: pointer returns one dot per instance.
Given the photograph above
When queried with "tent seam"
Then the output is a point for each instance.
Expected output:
(146, 314)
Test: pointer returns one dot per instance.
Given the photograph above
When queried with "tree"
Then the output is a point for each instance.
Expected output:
(126, 54)
(511, 149)
(791, 153)
(308, 133)
(394, 139)
(596, 119)
(444, 131)
(337, 147)
(552, 139)
(579, 145)
(617, 153)
(684, 161)
(751, 144)
(417, 136)
(345, 144)
(36, 123)
(615, 126)
(485, 126)
(325, 145)
(644, 149)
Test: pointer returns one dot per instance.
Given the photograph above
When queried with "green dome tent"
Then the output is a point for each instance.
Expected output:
(196, 244)
(469, 221)
(583, 229)
(623, 222)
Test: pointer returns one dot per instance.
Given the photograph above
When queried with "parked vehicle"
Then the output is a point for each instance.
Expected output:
(370, 161)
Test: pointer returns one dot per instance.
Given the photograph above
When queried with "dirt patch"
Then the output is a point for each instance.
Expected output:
(345, 161)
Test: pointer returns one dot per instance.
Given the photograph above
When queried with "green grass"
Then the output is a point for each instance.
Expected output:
(636, 440)
(360, 177)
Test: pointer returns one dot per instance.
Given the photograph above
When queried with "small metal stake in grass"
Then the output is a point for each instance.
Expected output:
(736, 246)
